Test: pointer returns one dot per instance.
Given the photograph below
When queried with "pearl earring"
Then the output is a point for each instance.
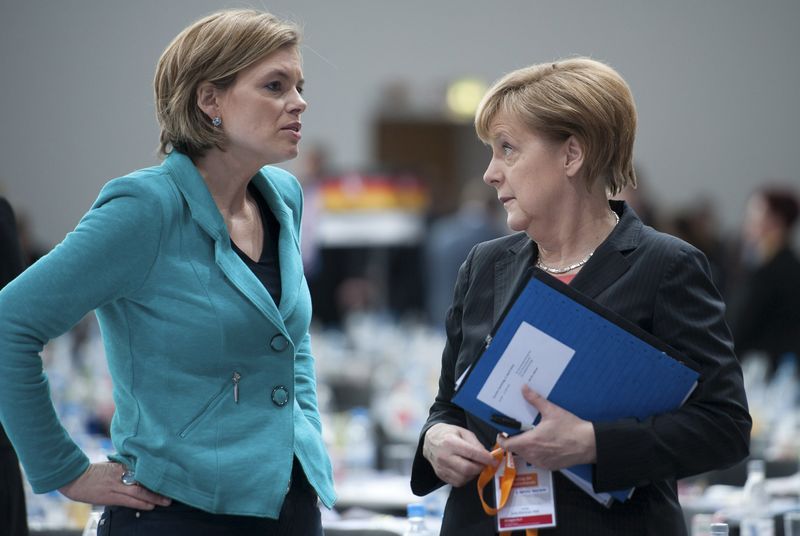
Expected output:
(217, 121)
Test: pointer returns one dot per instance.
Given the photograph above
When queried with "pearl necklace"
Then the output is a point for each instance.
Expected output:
(564, 270)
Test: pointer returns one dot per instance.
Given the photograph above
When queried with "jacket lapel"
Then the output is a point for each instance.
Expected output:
(509, 271)
(609, 261)
(288, 244)
(606, 265)
(207, 216)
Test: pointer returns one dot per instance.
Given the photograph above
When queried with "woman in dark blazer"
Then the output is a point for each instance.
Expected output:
(562, 137)
(764, 311)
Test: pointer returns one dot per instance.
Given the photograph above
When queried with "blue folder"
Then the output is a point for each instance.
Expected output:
(618, 370)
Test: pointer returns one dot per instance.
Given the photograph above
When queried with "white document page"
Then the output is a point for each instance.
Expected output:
(532, 357)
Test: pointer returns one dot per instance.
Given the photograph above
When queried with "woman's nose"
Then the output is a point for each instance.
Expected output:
(298, 104)
(492, 175)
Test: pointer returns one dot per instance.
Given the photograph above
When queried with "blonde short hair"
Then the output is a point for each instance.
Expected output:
(214, 49)
(573, 97)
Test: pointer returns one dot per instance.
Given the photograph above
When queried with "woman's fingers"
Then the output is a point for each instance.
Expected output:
(535, 399)
(102, 484)
(129, 500)
(145, 495)
(455, 453)
(138, 497)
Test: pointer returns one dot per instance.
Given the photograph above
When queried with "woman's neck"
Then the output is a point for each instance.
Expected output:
(226, 177)
(574, 235)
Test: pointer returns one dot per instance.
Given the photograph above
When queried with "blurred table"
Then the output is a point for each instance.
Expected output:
(378, 492)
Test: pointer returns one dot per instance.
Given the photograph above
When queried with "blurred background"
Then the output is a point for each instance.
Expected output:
(392, 171)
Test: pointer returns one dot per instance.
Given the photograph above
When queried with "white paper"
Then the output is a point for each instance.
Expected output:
(603, 498)
(532, 357)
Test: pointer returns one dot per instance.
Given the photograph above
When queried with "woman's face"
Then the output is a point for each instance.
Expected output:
(261, 111)
(527, 170)
(755, 219)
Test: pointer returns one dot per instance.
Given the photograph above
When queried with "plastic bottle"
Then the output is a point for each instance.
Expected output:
(754, 496)
(415, 526)
(719, 529)
(360, 443)
(756, 518)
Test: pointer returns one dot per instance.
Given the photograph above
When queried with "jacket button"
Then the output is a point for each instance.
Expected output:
(280, 396)
(279, 343)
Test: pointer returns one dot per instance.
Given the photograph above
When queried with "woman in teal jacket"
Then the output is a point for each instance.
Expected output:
(194, 270)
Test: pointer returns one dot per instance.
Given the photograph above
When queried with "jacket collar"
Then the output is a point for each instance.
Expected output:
(607, 264)
(205, 213)
(609, 260)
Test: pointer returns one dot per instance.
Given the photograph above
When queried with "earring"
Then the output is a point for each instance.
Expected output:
(217, 121)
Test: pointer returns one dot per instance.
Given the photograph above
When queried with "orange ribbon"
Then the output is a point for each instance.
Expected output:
(506, 482)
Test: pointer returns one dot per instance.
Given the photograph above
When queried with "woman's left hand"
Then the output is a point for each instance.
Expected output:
(561, 439)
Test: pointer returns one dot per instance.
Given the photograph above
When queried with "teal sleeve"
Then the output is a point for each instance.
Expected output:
(306, 383)
(107, 257)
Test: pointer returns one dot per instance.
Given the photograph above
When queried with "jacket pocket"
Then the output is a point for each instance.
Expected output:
(230, 388)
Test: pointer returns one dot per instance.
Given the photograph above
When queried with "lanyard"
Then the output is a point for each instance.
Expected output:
(506, 482)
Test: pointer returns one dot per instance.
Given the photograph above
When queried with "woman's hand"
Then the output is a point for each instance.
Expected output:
(102, 484)
(560, 440)
(455, 453)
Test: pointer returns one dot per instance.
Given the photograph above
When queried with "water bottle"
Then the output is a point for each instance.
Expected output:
(719, 529)
(360, 453)
(756, 518)
(415, 526)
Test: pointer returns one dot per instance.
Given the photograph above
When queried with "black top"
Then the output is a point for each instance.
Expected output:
(10, 266)
(267, 269)
(765, 312)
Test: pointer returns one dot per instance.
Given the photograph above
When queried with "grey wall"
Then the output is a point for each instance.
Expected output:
(716, 83)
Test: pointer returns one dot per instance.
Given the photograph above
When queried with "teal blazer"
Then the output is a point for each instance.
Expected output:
(184, 323)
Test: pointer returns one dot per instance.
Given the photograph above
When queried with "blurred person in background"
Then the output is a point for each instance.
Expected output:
(449, 240)
(765, 306)
(562, 139)
(697, 224)
(32, 248)
(313, 171)
(638, 198)
(13, 516)
(194, 270)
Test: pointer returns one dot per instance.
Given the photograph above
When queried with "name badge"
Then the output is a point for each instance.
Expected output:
(531, 504)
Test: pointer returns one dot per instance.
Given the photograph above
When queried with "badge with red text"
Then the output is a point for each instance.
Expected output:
(530, 504)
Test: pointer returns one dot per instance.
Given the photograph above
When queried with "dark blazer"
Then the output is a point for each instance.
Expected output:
(10, 267)
(664, 286)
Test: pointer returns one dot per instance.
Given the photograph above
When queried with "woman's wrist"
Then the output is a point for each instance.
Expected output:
(588, 441)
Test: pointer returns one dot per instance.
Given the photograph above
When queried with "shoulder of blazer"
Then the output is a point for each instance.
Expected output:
(151, 186)
(664, 243)
(632, 234)
(289, 188)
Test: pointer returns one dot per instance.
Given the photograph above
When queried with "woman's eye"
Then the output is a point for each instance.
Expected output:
(506, 149)
(274, 86)
(300, 89)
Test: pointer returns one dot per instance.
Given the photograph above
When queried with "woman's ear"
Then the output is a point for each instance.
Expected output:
(574, 156)
(208, 99)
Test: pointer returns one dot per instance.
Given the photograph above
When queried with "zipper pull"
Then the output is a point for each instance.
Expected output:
(487, 341)
(236, 377)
